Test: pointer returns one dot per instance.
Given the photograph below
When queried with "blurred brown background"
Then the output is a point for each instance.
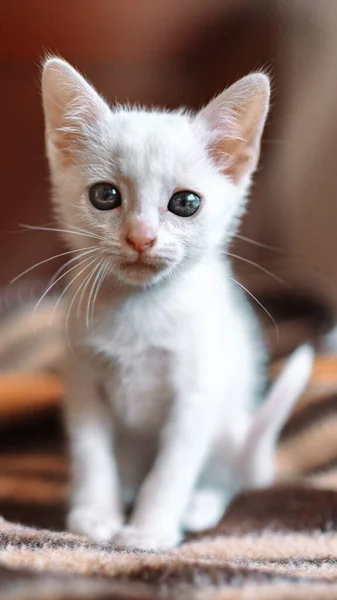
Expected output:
(183, 52)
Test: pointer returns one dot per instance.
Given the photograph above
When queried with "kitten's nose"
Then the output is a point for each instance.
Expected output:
(140, 236)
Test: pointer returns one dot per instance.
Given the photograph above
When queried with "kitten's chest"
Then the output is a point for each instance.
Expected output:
(139, 388)
(139, 355)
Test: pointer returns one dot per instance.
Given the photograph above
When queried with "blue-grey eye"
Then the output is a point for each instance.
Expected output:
(184, 204)
(105, 196)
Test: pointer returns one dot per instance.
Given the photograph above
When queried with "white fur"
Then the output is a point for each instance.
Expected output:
(162, 390)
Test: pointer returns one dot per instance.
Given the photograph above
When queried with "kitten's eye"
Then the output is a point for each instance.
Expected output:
(105, 196)
(184, 204)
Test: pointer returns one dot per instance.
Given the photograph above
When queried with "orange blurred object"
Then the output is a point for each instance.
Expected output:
(21, 394)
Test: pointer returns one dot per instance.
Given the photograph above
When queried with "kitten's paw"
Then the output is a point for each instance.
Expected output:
(204, 511)
(98, 525)
(137, 539)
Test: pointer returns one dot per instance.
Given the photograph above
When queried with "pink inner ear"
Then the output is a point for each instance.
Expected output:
(237, 118)
(237, 158)
(238, 151)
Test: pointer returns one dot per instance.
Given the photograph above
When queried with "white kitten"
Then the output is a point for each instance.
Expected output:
(161, 396)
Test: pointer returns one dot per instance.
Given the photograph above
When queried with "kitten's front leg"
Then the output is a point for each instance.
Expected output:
(96, 509)
(156, 522)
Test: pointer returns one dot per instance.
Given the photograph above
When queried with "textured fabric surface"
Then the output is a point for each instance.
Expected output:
(274, 543)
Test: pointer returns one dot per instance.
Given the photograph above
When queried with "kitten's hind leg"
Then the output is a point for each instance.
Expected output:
(217, 485)
(205, 509)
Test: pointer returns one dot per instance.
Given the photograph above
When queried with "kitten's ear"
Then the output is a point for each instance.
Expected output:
(71, 107)
(236, 120)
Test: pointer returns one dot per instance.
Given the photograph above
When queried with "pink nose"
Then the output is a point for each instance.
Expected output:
(140, 236)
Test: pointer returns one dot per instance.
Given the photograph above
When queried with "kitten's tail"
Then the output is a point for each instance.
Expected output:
(256, 463)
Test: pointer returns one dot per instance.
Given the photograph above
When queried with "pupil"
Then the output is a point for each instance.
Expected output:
(184, 203)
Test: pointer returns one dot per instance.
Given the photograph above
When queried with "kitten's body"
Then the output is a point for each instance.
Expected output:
(145, 346)
(167, 373)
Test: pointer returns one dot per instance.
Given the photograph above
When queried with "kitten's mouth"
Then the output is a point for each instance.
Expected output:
(141, 270)
(139, 263)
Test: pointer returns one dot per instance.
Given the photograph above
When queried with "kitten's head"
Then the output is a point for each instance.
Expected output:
(156, 189)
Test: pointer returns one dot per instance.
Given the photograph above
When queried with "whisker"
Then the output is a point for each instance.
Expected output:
(254, 264)
(95, 272)
(79, 304)
(64, 291)
(42, 262)
(256, 243)
(89, 316)
(71, 260)
(252, 296)
(87, 232)
(77, 291)
(40, 228)
(261, 305)
(103, 272)
(81, 229)
(49, 287)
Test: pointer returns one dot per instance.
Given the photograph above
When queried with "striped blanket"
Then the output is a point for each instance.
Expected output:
(275, 543)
